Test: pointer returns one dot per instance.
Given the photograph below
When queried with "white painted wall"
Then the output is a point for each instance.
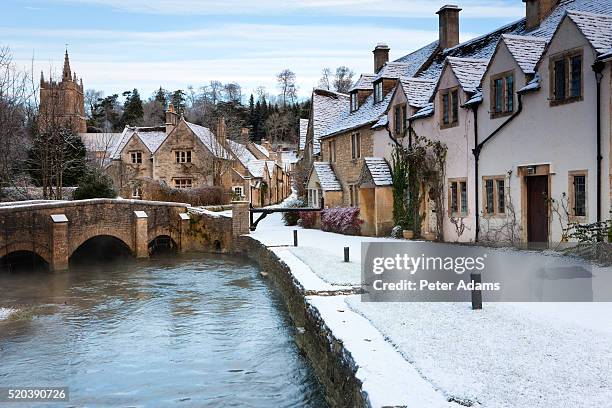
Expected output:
(564, 136)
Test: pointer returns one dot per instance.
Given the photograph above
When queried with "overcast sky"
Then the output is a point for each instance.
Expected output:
(117, 45)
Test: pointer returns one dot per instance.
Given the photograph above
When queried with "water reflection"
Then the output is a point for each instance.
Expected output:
(188, 331)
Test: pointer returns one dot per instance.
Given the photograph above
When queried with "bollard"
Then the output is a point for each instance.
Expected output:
(295, 242)
(476, 293)
(346, 254)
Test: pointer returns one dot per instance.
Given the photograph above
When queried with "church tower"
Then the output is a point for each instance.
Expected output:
(62, 103)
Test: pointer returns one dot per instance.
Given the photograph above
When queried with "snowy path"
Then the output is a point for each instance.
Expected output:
(506, 355)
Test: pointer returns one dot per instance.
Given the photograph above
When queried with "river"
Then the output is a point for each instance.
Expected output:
(186, 330)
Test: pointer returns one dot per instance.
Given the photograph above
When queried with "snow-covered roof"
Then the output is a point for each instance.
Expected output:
(256, 168)
(262, 149)
(597, 28)
(382, 122)
(526, 50)
(379, 171)
(475, 99)
(424, 112)
(97, 142)
(241, 152)
(289, 158)
(393, 70)
(363, 83)
(327, 109)
(368, 112)
(327, 177)
(416, 59)
(468, 71)
(209, 140)
(418, 91)
(151, 137)
(532, 85)
(303, 131)
(484, 46)
(270, 164)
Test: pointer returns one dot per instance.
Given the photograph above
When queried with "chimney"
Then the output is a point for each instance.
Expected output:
(221, 131)
(172, 118)
(381, 56)
(536, 11)
(449, 26)
(244, 135)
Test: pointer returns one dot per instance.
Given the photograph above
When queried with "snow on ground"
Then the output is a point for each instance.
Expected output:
(330, 267)
(506, 355)
(6, 312)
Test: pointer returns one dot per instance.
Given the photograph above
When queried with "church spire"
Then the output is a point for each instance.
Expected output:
(67, 76)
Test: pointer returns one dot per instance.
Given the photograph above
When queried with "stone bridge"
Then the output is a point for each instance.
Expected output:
(54, 230)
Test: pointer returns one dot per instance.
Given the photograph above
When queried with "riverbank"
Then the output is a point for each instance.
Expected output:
(436, 354)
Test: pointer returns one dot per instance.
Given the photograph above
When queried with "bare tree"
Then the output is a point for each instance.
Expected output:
(343, 80)
(325, 81)
(214, 92)
(91, 99)
(287, 86)
(233, 92)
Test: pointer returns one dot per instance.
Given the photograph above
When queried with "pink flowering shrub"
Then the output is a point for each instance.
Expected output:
(308, 219)
(343, 220)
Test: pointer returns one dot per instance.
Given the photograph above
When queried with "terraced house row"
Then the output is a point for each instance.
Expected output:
(523, 111)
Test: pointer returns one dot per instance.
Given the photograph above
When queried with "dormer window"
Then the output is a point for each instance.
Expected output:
(566, 77)
(136, 157)
(378, 91)
(354, 102)
(502, 94)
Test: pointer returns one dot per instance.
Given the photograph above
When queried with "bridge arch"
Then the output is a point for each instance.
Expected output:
(24, 246)
(162, 244)
(123, 236)
(23, 258)
(100, 248)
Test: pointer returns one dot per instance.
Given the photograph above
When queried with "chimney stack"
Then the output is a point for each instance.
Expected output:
(244, 135)
(381, 56)
(449, 26)
(536, 11)
(221, 131)
(172, 118)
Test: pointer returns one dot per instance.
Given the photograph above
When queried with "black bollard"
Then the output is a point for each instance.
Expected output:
(476, 293)
(295, 242)
(346, 254)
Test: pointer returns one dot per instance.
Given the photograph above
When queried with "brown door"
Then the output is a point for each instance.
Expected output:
(537, 209)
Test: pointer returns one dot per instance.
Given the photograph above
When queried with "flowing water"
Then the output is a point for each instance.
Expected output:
(201, 331)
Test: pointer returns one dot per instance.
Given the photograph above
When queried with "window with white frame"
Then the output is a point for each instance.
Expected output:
(378, 91)
(136, 191)
(183, 156)
(578, 194)
(238, 191)
(355, 145)
(182, 183)
(136, 157)
(313, 197)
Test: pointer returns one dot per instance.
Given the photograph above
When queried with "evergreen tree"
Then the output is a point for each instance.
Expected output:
(179, 100)
(132, 109)
(160, 96)
(107, 114)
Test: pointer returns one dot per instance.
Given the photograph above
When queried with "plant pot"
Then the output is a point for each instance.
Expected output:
(408, 234)
(429, 236)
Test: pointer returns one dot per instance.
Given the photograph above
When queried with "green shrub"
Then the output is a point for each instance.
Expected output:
(94, 185)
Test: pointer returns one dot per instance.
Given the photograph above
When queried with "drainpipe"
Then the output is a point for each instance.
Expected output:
(598, 68)
(476, 156)
(476, 151)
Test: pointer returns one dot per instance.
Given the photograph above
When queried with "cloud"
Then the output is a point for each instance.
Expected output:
(374, 8)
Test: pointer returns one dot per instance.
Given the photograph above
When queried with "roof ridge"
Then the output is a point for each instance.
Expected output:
(524, 37)
(587, 13)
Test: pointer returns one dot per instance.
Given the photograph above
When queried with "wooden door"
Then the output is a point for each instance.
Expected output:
(537, 209)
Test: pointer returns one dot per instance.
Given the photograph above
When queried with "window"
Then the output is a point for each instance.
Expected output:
(238, 191)
(494, 195)
(566, 77)
(354, 195)
(354, 102)
(313, 197)
(502, 94)
(578, 194)
(450, 108)
(182, 183)
(136, 192)
(332, 150)
(404, 118)
(183, 156)
(355, 146)
(397, 120)
(457, 197)
(378, 91)
(136, 157)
